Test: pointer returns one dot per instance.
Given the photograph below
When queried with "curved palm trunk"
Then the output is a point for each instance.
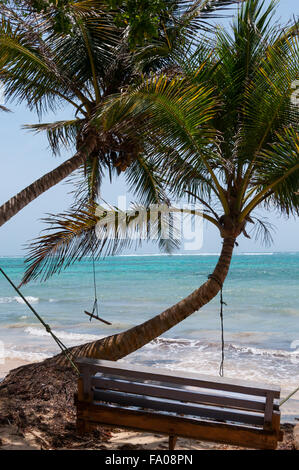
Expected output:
(27, 195)
(120, 345)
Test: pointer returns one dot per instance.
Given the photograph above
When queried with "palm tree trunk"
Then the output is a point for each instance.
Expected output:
(27, 195)
(120, 345)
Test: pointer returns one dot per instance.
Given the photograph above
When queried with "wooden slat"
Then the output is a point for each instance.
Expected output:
(179, 394)
(172, 425)
(80, 393)
(269, 410)
(128, 371)
(86, 377)
(276, 425)
(172, 442)
(219, 414)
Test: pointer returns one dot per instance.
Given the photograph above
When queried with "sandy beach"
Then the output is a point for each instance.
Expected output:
(12, 439)
(13, 436)
(10, 364)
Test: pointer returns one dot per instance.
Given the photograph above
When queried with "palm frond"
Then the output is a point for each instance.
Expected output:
(146, 182)
(45, 68)
(281, 172)
(277, 174)
(99, 231)
(59, 133)
(200, 13)
(66, 236)
(269, 97)
(174, 111)
(262, 231)
(182, 26)
(29, 72)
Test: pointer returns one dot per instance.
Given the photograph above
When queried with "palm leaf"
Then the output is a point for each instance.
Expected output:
(99, 231)
(44, 68)
(172, 112)
(262, 231)
(146, 182)
(59, 133)
(278, 172)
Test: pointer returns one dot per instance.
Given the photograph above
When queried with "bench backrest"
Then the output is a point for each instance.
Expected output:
(181, 393)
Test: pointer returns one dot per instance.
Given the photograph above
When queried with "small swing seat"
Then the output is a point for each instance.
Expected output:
(177, 404)
(96, 317)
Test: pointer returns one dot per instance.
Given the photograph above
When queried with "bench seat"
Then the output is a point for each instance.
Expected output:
(177, 404)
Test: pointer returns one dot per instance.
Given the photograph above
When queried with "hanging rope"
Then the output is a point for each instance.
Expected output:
(221, 367)
(47, 327)
(95, 304)
(95, 309)
(289, 396)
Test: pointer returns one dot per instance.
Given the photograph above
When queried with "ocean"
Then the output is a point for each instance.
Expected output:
(261, 318)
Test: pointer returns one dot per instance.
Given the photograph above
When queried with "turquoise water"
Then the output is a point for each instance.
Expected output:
(261, 317)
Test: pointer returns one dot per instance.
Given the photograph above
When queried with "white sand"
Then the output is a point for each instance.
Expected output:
(9, 364)
(142, 440)
(12, 439)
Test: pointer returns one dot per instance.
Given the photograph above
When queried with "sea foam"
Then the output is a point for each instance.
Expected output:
(77, 337)
(19, 300)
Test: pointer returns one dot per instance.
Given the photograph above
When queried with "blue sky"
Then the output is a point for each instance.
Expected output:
(25, 157)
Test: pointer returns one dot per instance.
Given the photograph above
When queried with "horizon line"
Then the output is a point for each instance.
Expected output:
(207, 253)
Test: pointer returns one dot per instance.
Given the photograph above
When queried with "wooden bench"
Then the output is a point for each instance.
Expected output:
(177, 404)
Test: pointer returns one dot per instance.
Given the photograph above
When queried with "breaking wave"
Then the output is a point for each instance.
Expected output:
(19, 300)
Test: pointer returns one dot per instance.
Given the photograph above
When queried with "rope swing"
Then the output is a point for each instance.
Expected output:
(95, 309)
(221, 367)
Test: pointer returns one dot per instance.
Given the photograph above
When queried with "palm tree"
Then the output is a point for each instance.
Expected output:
(47, 69)
(224, 132)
